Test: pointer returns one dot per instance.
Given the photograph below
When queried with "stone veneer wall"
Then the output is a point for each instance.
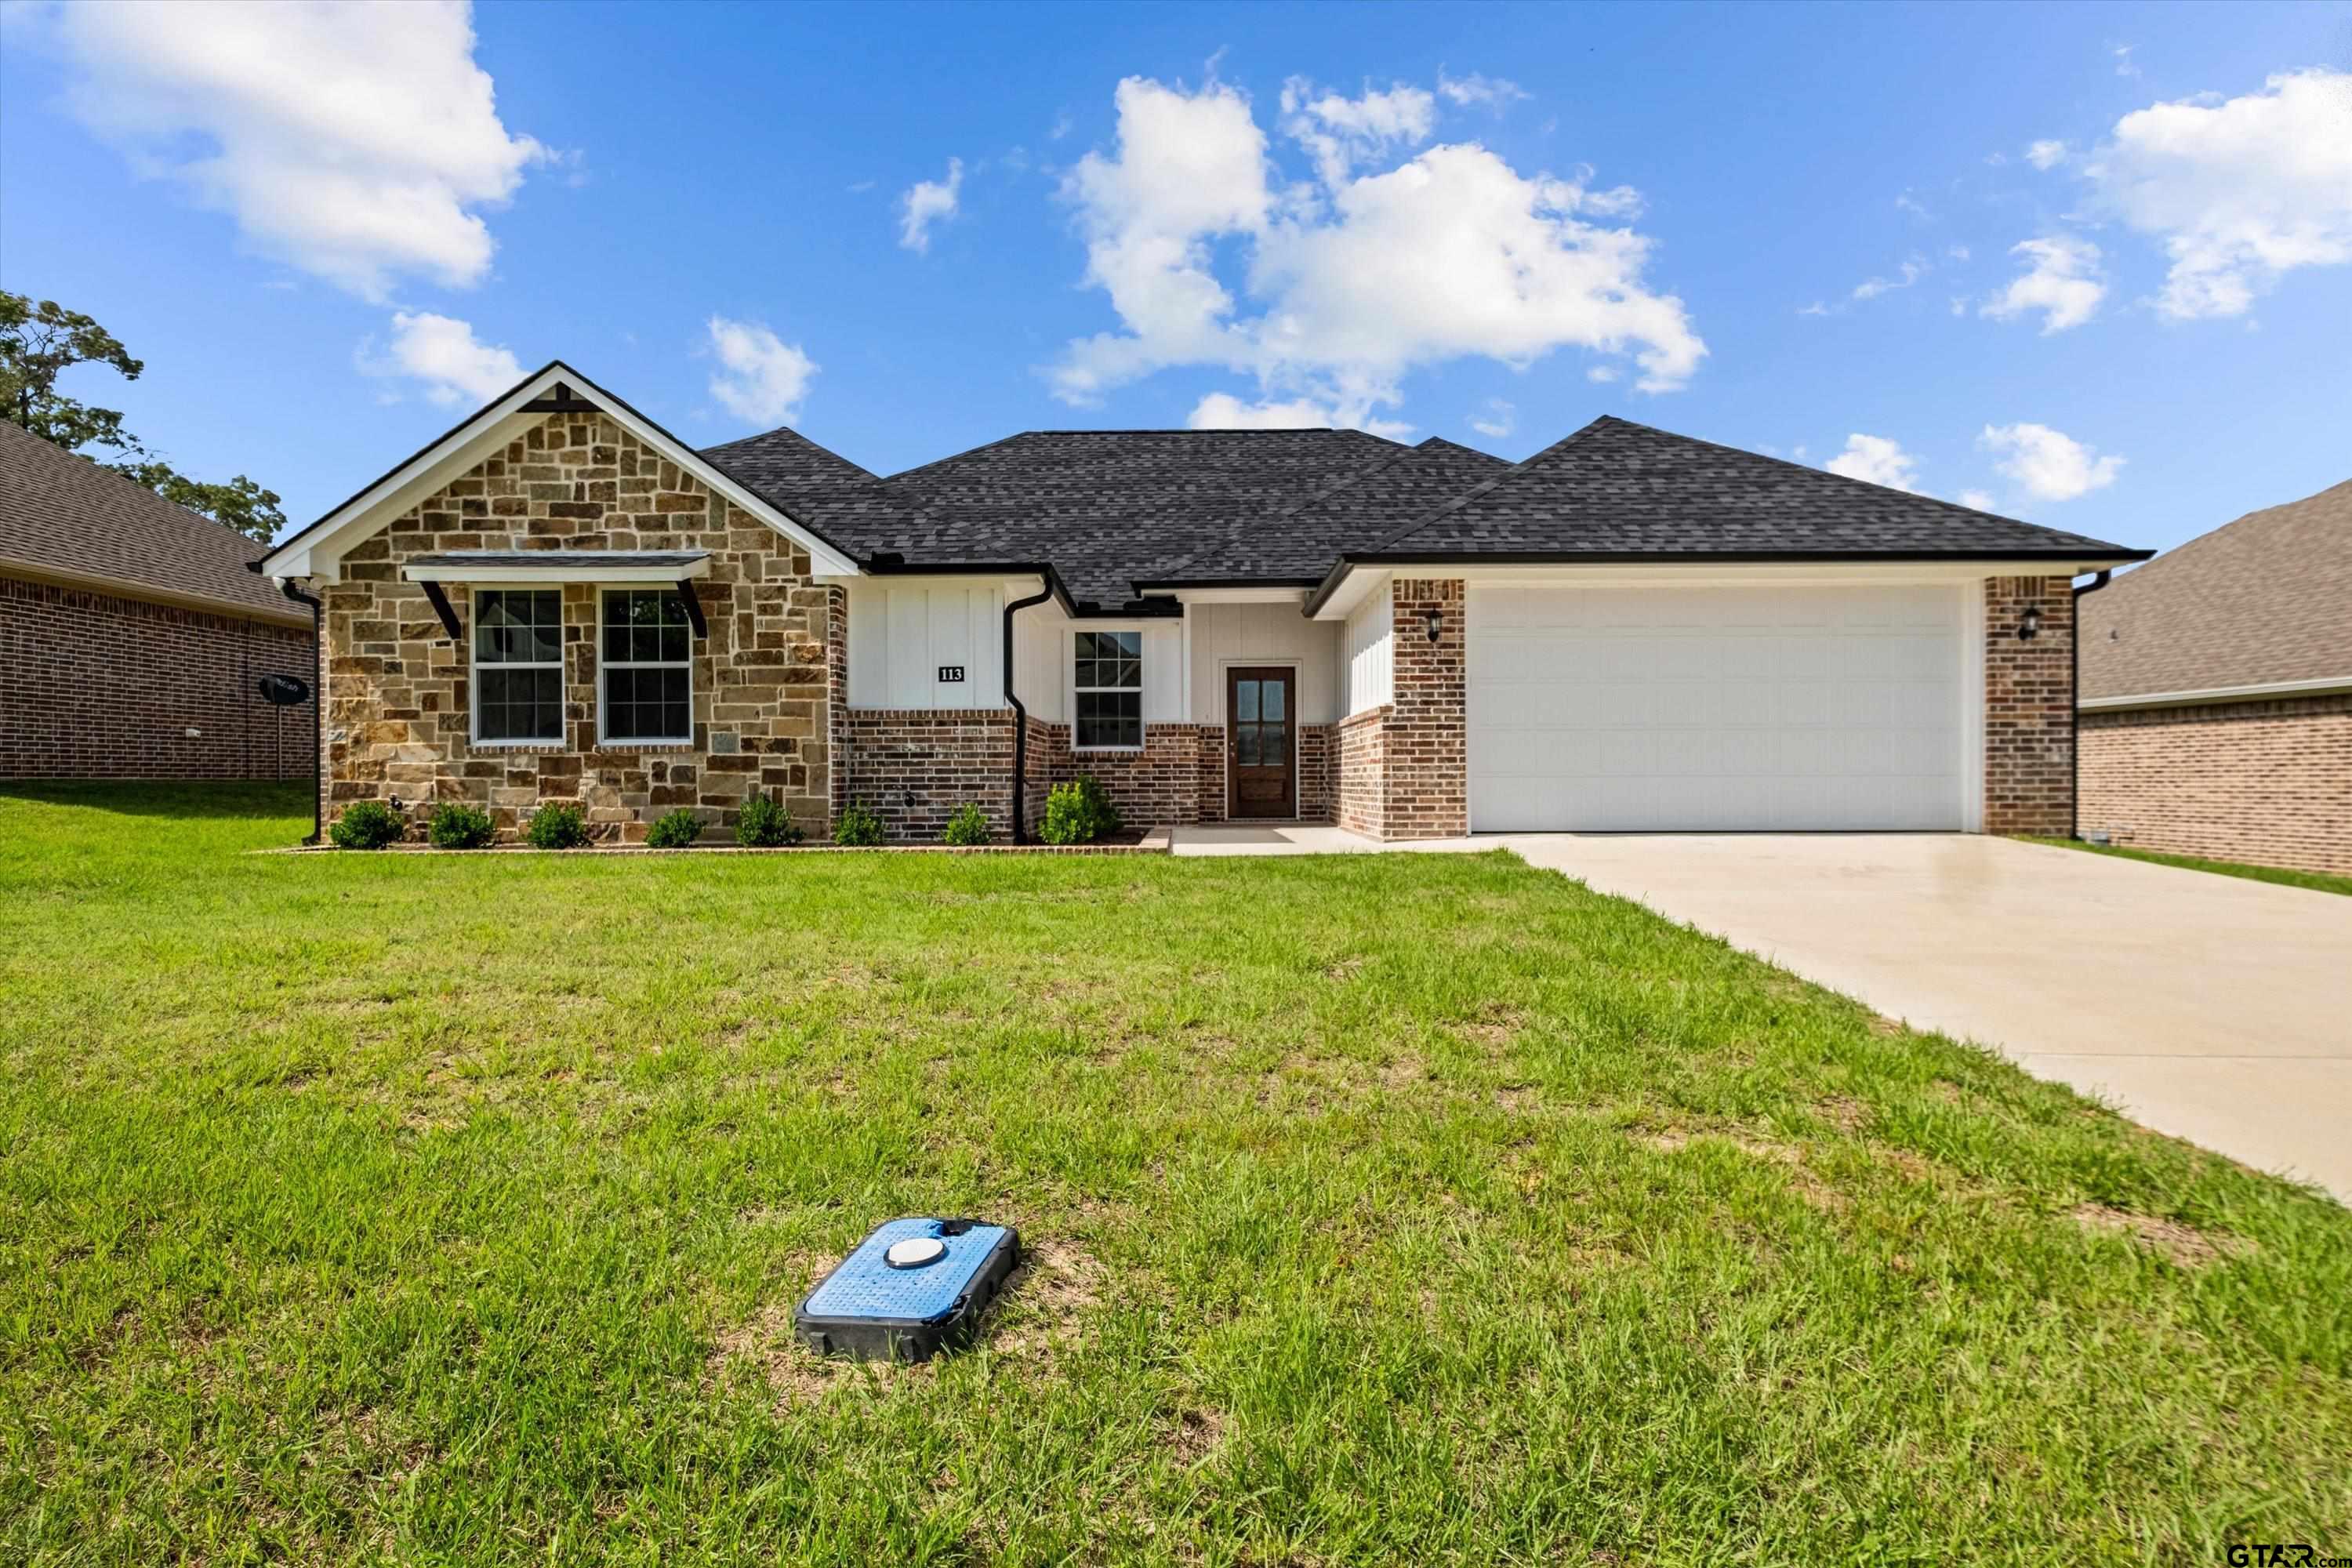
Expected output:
(2029, 722)
(97, 686)
(396, 701)
(2267, 783)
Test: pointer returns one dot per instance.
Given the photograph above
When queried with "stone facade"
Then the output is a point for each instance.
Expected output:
(397, 714)
(2266, 782)
(2029, 708)
(98, 686)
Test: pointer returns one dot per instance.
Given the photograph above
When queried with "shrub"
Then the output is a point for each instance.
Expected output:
(368, 825)
(764, 822)
(967, 826)
(673, 829)
(1078, 812)
(560, 826)
(859, 827)
(457, 825)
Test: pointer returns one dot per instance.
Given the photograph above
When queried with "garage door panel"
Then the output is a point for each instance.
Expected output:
(1729, 708)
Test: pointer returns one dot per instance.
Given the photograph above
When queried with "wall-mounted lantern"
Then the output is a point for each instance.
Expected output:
(1436, 619)
(2028, 625)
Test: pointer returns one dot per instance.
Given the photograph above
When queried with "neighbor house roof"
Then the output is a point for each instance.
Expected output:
(2264, 601)
(64, 519)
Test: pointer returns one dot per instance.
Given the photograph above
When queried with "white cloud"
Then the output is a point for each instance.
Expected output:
(927, 202)
(1062, 126)
(1223, 411)
(1976, 500)
(762, 378)
(1910, 273)
(1818, 308)
(2049, 465)
(2061, 280)
(2124, 66)
(1451, 254)
(1910, 204)
(2238, 190)
(1498, 418)
(1602, 374)
(1877, 459)
(1957, 253)
(1340, 132)
(354, 142)
(2045, 154)
(443, 355)
(1492, 92)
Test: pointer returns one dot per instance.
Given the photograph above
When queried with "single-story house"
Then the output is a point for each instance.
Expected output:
(1630, 631)
(134, 636)
(2217, 693)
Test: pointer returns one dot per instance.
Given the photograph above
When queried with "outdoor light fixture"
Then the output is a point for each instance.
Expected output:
(1436, 619)
(2028, 625)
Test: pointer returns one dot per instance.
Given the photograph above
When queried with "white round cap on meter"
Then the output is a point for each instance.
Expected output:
(915, 1251)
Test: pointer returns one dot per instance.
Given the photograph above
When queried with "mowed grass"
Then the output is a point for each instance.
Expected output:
(2286, 876)
(1402, 1208)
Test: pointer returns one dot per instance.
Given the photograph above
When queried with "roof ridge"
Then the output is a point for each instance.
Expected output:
(1467, 497)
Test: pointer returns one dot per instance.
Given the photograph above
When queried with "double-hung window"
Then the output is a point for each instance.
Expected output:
(649, 668)
(1109, 689)
(519, 665)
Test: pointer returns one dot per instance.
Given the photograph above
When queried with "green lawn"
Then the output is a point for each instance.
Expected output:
(1396, 1208)
(2317, 881)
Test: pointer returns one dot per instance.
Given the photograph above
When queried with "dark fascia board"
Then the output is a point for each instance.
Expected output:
(476, 417)
(1173, 585)
(1350, 561)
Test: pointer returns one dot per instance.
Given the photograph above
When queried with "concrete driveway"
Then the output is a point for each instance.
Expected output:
(2211, 1007)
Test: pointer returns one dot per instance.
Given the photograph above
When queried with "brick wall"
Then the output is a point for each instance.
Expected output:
(2267, 783)
(1361, 776)
(95, 686)
(2028, 772)
(915, 768)
(1158, 786)
(397, 710)
(1425, 747)
(1314, 762)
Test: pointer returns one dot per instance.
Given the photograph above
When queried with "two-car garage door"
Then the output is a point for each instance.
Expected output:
(1795, 707)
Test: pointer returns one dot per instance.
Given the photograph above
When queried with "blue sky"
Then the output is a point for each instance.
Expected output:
(329, 232)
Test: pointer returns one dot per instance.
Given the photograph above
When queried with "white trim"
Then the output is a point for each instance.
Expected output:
(2322, 686)
(317, 552)
(1225, 724)
(1702, 572)
(562, 737)
(641, 576)
(605, 739)
(1972, 711)
(1071, 689)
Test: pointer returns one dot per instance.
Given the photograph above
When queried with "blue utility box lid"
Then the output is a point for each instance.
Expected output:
(870, 1306)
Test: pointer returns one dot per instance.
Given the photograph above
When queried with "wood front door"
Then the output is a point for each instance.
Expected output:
(1262, 741)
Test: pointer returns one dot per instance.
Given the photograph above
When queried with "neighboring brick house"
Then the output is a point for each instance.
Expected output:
(2217, 693)
(1631, 630)
(133, 635)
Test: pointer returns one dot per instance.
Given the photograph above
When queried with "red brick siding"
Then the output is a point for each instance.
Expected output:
(1313, 763)
(2266, 782)
(1158, 786)
(916, 767)
(2028, 745)
(1210, 802)
(93, 686)
(1362, 781)
(1425, 754)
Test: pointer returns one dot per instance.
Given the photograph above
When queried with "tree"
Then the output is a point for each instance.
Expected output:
(39, 342)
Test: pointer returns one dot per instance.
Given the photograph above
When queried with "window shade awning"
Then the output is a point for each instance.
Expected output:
(557, 566)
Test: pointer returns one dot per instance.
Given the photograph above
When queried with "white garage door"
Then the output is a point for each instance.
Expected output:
(1661, 710)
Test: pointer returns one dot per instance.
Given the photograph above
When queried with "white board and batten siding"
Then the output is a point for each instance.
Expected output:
(1368, 654)
(901, 636)
(1789, 709)
(1225, 634)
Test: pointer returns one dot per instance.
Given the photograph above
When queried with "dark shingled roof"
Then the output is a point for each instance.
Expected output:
(1621, 490)
(63, 513)
(1110, 509)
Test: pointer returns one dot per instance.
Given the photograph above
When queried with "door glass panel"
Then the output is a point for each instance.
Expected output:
(1274, 693)
(1245, 745)
(1246, 702)
(1274, 745)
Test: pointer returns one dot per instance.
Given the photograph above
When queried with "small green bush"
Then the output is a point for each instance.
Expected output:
(763, 823)
(368, 825)
(967, 826)
(558, 825)
(673, 829)
(858, 827)
(457, 825)
(1078, 812)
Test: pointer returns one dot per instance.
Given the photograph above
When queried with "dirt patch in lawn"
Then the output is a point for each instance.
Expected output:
(1046, 1299)
(1194, 1435)
(2184, 1245)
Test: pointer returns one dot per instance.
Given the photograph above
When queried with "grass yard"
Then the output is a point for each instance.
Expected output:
(1385, 1208)
(2317, 881)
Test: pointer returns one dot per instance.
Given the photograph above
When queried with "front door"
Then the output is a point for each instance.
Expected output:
(1262, 741)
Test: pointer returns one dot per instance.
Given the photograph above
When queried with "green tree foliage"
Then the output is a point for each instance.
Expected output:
(40, 341)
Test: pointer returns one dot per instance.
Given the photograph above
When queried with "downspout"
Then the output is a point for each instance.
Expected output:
(1020, 714)
(2074, 714)
(317, 711)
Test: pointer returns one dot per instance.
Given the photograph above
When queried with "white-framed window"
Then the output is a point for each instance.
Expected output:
(646, 669)
(518, 667)
(1109, 691)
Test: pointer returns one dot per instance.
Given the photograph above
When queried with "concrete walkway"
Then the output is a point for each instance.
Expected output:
(2211, 1007)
